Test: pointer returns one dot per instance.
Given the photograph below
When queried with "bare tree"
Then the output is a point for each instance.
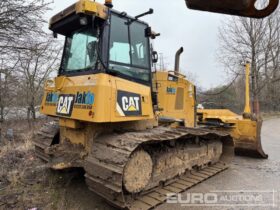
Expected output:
(257, 41)
(18, 19)
(8, 87)
(36, 62)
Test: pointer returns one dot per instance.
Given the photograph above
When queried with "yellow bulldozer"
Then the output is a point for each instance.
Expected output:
(133, 130)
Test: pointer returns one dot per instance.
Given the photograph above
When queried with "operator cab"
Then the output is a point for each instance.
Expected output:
(116, 44)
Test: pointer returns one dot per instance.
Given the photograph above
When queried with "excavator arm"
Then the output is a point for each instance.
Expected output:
(245, 8)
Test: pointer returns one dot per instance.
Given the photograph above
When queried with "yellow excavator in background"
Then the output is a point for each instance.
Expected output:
(245, 129)
(133, 130)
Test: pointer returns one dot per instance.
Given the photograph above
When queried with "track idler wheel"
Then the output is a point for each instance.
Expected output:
(138, 171)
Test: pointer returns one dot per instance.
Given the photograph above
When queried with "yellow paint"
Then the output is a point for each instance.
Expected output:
(92, 8)
(167, 100)
(87, 7)
(61, 166)
(104, 87)
(75, 136)
(241, 129)
(63, 122)
(247, 94)
(132, 108)
(105, 109)
(175, 94)
(245, 129)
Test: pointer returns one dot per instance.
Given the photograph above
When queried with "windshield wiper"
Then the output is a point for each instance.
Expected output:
(99, 58)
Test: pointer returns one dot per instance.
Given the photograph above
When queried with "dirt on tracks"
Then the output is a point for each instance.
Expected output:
(25, 183)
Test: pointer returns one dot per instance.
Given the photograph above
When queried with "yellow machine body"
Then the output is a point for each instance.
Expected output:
(117, 117)
(104, 98)
(95, 98)
(82, 7)
(102, 103)
(176, 97)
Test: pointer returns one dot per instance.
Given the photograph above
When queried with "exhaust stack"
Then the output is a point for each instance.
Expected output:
(177, 60)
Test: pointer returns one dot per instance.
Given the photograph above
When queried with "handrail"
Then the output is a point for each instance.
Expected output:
(62, 83)
(177, 74)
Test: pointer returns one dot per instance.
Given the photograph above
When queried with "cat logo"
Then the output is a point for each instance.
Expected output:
(65, 105)
(129, 104)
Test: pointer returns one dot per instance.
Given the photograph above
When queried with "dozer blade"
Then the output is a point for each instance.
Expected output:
(245, 130)
(249, 143)
(244, 8)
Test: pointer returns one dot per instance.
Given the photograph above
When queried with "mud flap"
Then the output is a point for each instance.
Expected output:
(251, 146)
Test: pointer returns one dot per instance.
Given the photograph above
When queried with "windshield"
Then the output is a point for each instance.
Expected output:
(80, 51)
(129, 49)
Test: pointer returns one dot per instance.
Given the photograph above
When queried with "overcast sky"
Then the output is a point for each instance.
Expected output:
(194, 30)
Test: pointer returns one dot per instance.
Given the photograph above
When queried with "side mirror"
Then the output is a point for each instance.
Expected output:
(154, 57)
(149, 33)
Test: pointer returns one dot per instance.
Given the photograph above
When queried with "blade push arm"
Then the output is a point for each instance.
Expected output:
(246, 8)
(247, 108)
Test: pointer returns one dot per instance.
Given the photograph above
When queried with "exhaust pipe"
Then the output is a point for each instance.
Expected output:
(177, 60)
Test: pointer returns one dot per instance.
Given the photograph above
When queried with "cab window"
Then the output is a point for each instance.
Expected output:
(129, 49)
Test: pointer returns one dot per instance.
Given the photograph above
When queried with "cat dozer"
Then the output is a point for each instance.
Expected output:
(245, 129)
(132, 130)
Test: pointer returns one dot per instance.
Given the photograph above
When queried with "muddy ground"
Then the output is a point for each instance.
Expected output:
(25, 183)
